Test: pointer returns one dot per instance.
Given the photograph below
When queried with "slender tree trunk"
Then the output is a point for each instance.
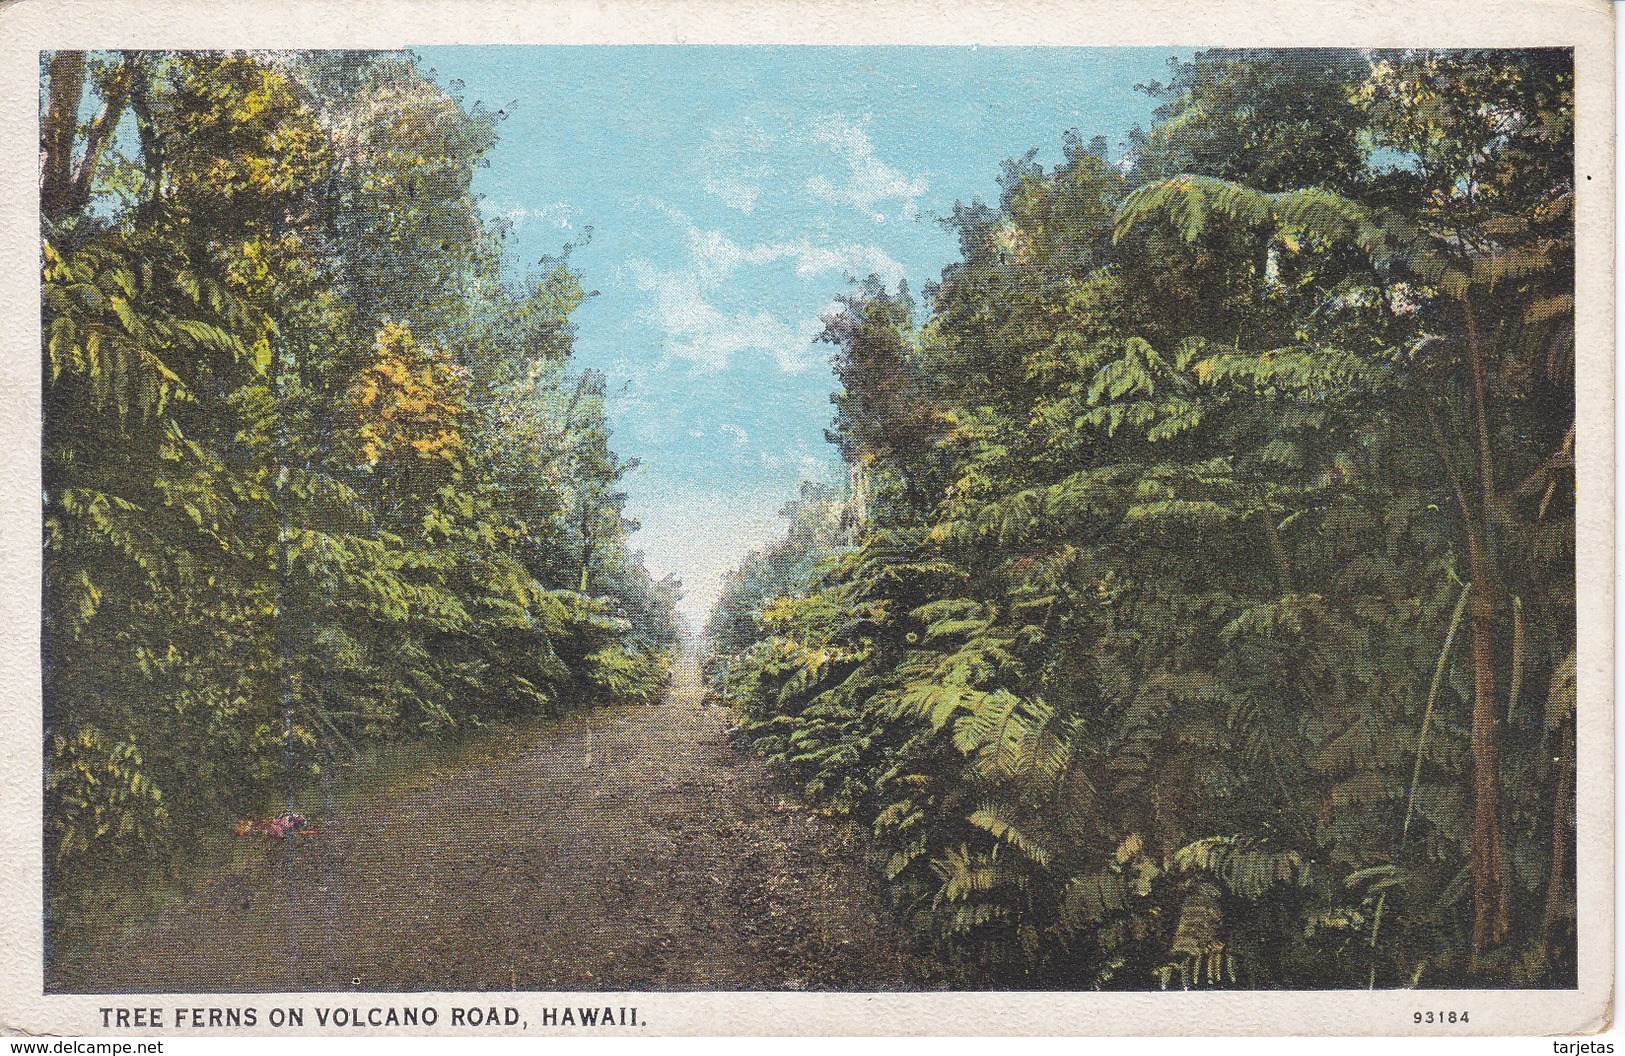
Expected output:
(1490, 881)
(1487, 854)
(1491, 885)
(1486, 453)
(66, 74)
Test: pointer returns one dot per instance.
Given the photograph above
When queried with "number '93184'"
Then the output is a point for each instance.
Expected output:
(1447, 1018)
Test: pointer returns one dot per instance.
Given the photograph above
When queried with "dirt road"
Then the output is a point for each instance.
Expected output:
(629, 848)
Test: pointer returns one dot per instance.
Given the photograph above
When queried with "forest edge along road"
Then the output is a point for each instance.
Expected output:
(625, 848)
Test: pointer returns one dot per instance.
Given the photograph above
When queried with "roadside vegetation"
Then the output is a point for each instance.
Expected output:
(320, 477)
(1199, 611)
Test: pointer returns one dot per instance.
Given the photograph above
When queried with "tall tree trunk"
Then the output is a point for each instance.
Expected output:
(66, 84)
(1487, 853)
(1490, 881)
(1491, 884)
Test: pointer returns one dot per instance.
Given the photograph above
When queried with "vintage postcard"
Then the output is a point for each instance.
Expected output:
(842, 518)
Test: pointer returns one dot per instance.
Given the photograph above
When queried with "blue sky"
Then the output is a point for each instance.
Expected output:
(732, 193)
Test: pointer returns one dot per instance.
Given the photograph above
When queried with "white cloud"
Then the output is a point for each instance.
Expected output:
(848, 258)
(717, 256)
(735, 192)
(739, 435)
(730, 166)
(698, 332)
(868, 181)
(555, 215)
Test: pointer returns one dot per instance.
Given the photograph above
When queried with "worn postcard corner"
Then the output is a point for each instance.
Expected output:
(768, 518)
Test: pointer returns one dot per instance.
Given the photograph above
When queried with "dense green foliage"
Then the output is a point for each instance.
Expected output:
(1208, 618)
(317, 475)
